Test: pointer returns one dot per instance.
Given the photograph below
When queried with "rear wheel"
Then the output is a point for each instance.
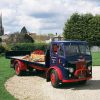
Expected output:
(54, 79)
(17, 70)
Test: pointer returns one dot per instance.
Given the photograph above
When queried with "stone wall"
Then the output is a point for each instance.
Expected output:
(95, 49)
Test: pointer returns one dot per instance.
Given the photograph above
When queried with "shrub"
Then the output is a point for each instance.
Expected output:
(29, 46)
(3, 48)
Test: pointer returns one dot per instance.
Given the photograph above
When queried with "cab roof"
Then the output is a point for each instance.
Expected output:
(70, 41)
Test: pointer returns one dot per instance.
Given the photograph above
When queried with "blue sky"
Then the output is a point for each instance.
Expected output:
(43, 16)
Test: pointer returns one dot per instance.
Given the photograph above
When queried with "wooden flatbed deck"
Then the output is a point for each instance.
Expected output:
(42, 64)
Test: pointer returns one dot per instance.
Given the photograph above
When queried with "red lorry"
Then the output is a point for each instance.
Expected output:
(63, 62)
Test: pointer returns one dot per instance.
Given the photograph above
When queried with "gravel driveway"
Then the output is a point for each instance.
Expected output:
(36, 88)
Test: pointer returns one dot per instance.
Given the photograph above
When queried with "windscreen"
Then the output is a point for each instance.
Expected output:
(71, 50)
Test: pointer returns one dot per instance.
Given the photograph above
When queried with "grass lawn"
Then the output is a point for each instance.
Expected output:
(5, 73)
(96, 58)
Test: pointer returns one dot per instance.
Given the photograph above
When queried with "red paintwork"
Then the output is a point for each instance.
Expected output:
(57, 70)
(70, 80)
(80, 65)
(17, 69)
(81, 71)
(76, 80)
(38, 67)
(53, 78)
(40, 52)
(21, 65)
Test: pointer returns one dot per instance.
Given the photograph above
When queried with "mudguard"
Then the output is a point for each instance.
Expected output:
(59, 72)
(21, 65)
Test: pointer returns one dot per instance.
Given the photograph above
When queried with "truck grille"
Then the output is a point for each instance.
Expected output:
(82, 73)
(80, 65)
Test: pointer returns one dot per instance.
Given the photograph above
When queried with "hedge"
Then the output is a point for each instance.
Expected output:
(29, 46)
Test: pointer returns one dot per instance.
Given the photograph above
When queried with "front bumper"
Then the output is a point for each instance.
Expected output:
(76, 80)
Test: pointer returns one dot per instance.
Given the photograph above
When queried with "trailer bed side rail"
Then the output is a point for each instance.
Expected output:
(9, 54)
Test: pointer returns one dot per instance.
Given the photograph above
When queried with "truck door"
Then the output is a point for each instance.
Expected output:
(54, 54)
(61, 56)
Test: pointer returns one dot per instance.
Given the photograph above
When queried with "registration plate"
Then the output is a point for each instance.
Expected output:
(81, 76)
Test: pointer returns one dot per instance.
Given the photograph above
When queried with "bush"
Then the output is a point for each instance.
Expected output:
(3, 48)
(29, 46)
(2, 54)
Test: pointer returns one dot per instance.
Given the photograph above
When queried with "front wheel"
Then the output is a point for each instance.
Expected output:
(54, 79)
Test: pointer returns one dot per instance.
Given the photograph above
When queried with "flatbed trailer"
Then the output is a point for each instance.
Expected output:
(65, 62)
(20, 58)
(15, 57)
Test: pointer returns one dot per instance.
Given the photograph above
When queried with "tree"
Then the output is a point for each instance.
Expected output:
(28, 38)
(83, 27)
(19, 38)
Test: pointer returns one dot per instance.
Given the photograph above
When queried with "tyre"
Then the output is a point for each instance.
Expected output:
(17, 70)
(82, 82)
(54, 79)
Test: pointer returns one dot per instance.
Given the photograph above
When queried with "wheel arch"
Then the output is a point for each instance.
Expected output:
(58, 70)
(22, 65)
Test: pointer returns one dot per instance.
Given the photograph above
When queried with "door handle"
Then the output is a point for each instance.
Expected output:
(59, 61)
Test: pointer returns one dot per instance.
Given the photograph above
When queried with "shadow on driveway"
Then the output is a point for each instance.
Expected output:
(90, 85)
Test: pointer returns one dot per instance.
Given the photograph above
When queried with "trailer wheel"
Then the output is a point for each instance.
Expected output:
(54, 79)
(17, 70)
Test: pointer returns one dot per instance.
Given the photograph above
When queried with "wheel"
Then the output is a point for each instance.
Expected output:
(54, 79)
(82, 82)
(17, 70)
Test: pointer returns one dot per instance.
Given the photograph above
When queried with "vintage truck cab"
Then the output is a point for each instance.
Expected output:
(70, 61)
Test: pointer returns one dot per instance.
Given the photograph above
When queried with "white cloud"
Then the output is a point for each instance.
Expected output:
(29, 22)
(43, 15)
